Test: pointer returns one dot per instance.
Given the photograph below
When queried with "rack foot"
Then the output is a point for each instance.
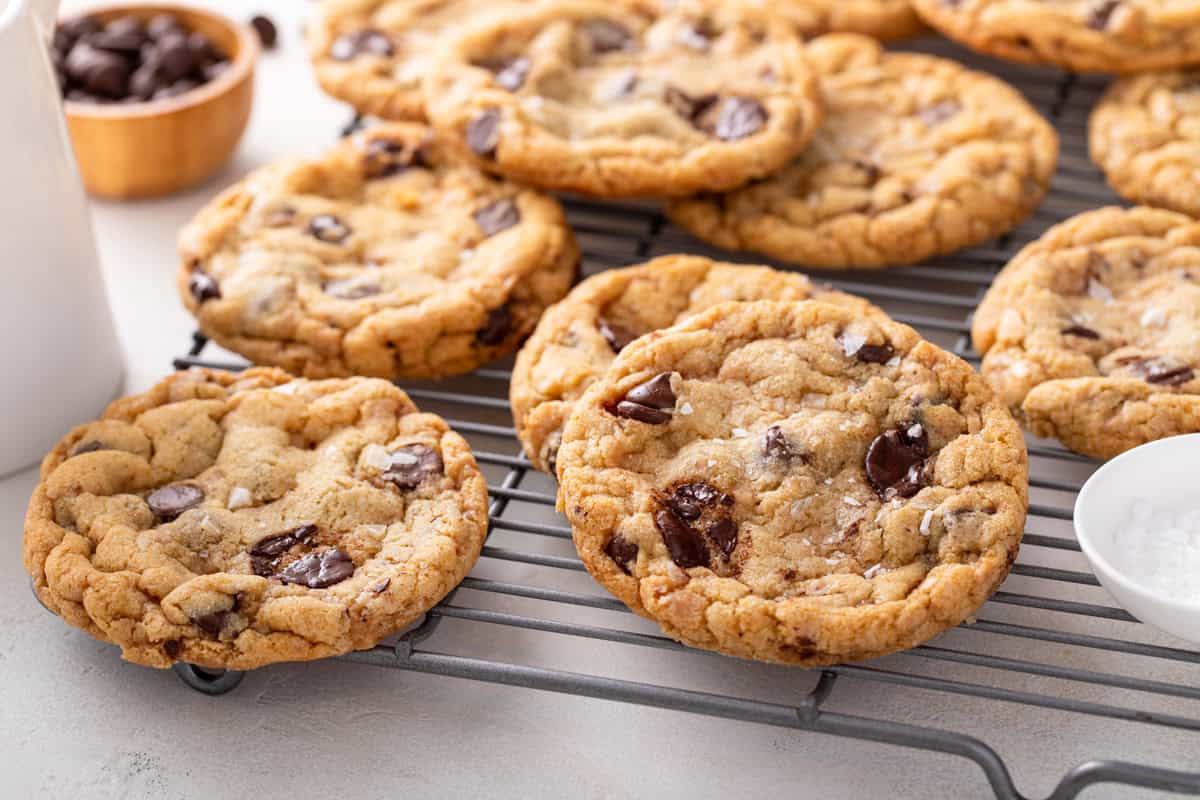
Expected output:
(208, 681)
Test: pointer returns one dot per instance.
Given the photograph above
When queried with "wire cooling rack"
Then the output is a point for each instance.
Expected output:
(1049, 644)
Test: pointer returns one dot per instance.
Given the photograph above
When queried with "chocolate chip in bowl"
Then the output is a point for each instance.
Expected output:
(156, 96)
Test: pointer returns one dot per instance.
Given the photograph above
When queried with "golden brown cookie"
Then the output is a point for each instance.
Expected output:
(1145, 134)
(578, 337)
(623, 99)
(794, 482)
(1079, 35)
(882, 19)
(1090, 333)
(387, 256)
(237, 520)
(917, 157)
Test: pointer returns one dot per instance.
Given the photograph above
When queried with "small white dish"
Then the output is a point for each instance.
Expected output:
(1164, 473)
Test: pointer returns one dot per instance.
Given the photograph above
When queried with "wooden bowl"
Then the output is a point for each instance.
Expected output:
(162, 146)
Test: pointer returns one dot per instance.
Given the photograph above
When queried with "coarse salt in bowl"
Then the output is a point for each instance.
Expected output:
(1137, 520)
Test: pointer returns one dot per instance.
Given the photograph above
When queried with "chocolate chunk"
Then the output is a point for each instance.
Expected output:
(162, 24)
(175, 89)
(652, 402)
(176, 58)
(875, 353)
(896, 459)
(124, 35)
(98, 71)
(616, 336)
(318, 570)
(145, 81)
(329, 229)
(211, 623)
(497, 216)
(497, 326)
(412, 465)
(368, 41)
(623, 552)
(203, 286)
(172, 648)
(607, 36)
(1100, 14)
(266, 30)
(776, 445)
(939, 112)
(172, 500)
(723, 533)
(690, 499)
(73, 30)
(1164, 375)
(510, 72)
(683, 543)
(686, 106)
(280, 543)
(737, 118)
(89, 446)
(1081, 332)
(483, 132)
(385, 157)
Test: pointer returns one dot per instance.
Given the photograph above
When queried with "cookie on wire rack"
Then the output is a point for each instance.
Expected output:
(794, 482)
(237, 520)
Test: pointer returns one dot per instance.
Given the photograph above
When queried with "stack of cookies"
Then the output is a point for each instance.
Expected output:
(767, 467)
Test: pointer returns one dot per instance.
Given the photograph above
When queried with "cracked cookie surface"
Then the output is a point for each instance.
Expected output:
(1079, 35)
(1145, 134)
(578, 337)
(795, 482)
(1089, 333)
(237, 520)
(384, 257)
(626, 99)
(917, 157)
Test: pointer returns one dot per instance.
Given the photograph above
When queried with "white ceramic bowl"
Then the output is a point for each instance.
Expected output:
(1164, 473)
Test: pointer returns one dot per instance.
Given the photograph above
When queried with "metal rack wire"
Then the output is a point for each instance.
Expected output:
(1046, 640)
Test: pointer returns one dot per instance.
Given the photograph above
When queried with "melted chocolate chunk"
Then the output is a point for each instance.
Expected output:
(368, 41)
(616, 336)
(483, 132)
(497, 216)
(683, 543)
(211, 623)
(497, 326)
(652, 402)
(776, 445)
(686, 106)
(737, 118)
(607, 36)
(510, 72)
(1162, 375)
(623, 552)
(723, 533)
(875, 353)
(318, 570)
(693, 518)
(172, 648)
(280, 543)
(896, 459)
(329, 229)
(172, 500)
(203, 286)
(1081, 332)
(1100, 15)
(384, 158)
(412, 465)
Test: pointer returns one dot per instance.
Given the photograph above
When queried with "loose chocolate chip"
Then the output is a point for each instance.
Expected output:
(1100, 14)
(368, 41)
(162, 24)
(623, 552)
(89, 446)
(607, 36)
(211, 623)
(652, 402)
(683, 543)
(497, 216)
(176, 58)
(1081, 332)
(203, 286)
(496, 327)
(939, 112)
(145, 81)
(172, 648)
(875, 353)
(385, 157)
(686, 106)
(738, 117)
(776, 445)
(280, 543)
(328, 228)
(412, 465)
(98, 71)
(318, 570)
(266, 30)
(723, 533)
(215, 70)
(617, 336)
(483, 132)
(510, 72)
(124, 35)
(896, 459)
(172, 500)
(75, 29)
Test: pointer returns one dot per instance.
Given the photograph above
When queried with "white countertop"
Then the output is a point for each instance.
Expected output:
(77, 721)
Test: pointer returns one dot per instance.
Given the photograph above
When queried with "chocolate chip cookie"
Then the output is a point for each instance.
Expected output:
(373, 54)
(385, 257)
(578, 337)
(1079, 35)
(795, 482)
(1090, 333)
(237, 520)
(917, 157)
(882, 19)
(627, 99)
(1145, 135)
